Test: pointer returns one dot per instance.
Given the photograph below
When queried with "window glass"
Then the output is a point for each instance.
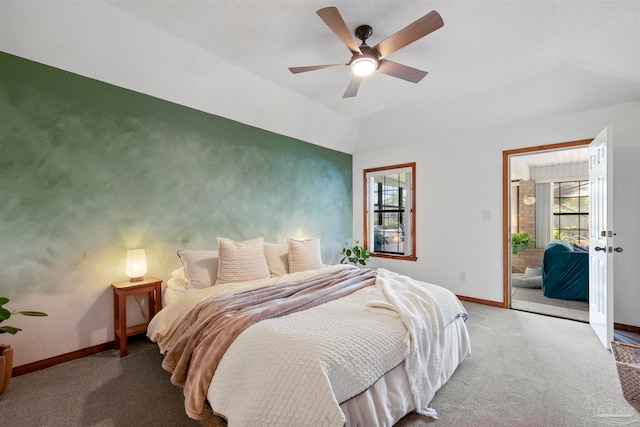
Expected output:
(571, 211)
(389, 214)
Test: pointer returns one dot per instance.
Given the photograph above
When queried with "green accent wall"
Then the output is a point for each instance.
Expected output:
(89, 170)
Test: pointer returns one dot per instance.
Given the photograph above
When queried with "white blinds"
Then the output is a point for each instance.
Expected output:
(544, 214)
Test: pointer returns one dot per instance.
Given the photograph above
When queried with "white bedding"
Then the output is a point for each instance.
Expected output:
(180, 300)
(297, 369)
(389, 399)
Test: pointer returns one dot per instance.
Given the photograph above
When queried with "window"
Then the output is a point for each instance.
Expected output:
(389, 216)
(571, 211)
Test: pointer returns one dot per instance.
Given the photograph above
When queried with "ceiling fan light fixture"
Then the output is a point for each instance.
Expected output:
(364, 66)
(366, 60)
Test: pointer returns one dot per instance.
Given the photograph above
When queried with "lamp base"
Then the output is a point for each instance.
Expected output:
(136, 279)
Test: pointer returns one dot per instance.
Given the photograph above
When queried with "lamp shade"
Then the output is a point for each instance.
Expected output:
(136, 264)
(364, 66)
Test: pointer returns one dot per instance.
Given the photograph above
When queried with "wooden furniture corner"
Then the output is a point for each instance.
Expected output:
(153, 287)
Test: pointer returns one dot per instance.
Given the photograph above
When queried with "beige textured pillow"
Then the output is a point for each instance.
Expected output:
(304, 254)
(277, 255)
(200, 267)
(241, 261)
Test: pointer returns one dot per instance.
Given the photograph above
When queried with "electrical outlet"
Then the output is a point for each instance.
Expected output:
(463, 276)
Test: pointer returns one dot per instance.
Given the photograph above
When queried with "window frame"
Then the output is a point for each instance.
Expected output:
(412, 166)
(578, 214)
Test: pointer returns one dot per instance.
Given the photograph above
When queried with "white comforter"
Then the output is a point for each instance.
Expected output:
(295, 370)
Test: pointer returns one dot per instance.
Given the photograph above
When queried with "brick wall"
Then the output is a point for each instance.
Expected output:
(527, 224)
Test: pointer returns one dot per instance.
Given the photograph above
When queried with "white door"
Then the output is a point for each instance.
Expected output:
(601, 237)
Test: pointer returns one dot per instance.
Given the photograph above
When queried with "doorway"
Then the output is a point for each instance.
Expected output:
(526, 171)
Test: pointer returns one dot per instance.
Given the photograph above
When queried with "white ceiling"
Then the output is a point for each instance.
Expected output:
(521, 164)
(493, 63)
(556, 157)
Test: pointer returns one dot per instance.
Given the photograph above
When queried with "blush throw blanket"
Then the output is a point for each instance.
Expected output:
(203, 337)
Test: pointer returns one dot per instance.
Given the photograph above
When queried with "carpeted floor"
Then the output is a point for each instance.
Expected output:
(526, 370)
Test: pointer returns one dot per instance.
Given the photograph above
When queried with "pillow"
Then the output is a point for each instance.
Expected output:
(200, 267)
(277, 255)
(241, 261)
(304, 254)
(180, 275)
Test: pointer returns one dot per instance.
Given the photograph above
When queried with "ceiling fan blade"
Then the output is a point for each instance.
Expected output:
(333, 19)
(296, 70)
(352, 89)
(412, 32)
(400, 71)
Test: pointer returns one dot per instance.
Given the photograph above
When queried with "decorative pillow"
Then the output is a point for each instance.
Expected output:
(241, 261)
(304, 254)
(277, 255)
(200, 267)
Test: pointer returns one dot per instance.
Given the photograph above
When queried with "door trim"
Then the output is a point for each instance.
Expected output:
(506, 190)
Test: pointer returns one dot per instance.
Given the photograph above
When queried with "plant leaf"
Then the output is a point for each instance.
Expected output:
(3, 300)
(33, 313)
(4, 314)
(9, 330)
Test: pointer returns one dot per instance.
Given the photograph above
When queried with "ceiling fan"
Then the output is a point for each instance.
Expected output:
(365, 59)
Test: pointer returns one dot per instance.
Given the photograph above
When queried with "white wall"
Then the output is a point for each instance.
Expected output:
(459, 201)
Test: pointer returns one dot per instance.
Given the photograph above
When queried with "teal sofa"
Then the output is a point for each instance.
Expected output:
(565, 271)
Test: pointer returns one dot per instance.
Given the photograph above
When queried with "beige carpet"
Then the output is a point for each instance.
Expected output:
(531, 370)
(526, 370)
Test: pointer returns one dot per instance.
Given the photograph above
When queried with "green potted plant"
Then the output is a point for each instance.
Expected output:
(354, 254)
(6, 352)
(520, 242)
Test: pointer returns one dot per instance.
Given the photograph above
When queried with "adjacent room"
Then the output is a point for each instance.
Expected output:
(475, 164)
(550, 205)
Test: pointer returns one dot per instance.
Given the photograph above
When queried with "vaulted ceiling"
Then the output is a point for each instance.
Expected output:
(492, 64)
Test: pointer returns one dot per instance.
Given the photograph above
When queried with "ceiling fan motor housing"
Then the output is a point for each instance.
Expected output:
(367, 52)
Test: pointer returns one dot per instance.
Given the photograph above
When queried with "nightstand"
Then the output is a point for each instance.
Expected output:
(150, 285)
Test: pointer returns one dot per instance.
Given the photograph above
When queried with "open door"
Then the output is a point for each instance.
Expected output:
(601, 237)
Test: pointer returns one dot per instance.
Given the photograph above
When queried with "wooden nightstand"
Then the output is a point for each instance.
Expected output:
(151, 285)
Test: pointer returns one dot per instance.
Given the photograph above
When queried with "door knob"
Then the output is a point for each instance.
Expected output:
(618, 249)
(598, 248)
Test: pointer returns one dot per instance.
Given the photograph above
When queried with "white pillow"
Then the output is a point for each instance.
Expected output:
(304, 254)
(241, 261)
(180, 276)
(200, 267)
(277, 255)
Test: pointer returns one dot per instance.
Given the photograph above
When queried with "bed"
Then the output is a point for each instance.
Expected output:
(287, 341)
